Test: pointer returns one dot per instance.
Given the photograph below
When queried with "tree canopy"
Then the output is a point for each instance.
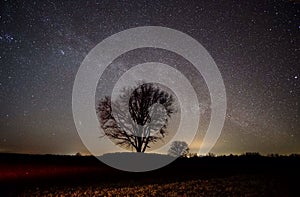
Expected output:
(178, 148)
(138, 117)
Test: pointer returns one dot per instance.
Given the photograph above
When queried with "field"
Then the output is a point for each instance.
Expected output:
(232, 186)
(27, 175)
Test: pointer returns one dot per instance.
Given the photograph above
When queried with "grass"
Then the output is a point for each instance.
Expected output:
(230, 186)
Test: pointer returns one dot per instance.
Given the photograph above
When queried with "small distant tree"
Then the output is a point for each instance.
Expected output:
(211, 155)
(293, 155)
(78, 154)
(273, 155)
(192, 155)
(179, 149)
(252, 154)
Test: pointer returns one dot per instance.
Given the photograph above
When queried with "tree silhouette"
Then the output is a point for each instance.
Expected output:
(178, 148)
(138, 118)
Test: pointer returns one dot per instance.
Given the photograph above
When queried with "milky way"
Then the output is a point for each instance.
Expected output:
(255, 44)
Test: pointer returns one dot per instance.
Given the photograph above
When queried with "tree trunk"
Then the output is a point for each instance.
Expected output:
(138, 149)
(139, 144)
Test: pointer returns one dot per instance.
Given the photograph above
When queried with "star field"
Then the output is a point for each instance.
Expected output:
(255, 44)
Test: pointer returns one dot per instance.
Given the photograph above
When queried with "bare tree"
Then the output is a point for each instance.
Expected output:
(138, 118)
(178, 148)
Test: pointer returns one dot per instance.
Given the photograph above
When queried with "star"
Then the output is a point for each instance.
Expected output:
(7, 37)
(62, 52)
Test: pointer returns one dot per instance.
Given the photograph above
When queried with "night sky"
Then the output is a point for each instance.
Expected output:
(255, 45)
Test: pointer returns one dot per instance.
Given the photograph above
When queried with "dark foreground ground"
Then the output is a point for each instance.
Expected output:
(48, 175)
